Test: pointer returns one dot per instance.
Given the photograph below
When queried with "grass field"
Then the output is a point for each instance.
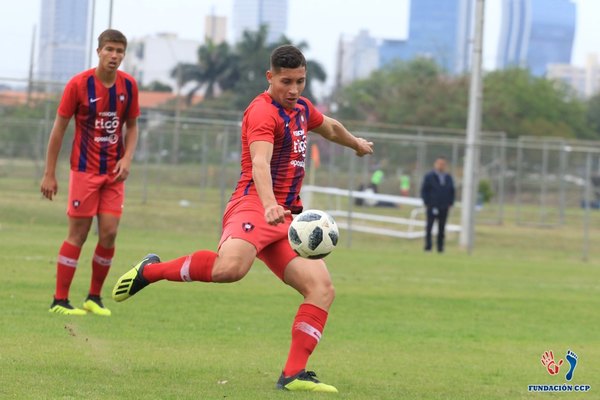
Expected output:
(405, 325)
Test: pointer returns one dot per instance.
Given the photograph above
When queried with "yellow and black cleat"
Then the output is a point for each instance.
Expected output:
(94, 305)
(304, 381)
(133, 280)
(62, 306)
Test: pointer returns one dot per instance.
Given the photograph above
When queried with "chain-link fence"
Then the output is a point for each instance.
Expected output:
(544, 182)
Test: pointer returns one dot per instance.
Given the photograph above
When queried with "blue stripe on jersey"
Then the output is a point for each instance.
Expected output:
(299, 173)
(85, 132)
(286, 146)
(248, 186)
(306, 112)
(112, 108)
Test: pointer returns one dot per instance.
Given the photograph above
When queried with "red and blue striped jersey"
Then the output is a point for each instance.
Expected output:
(266, 120)
(100, 113)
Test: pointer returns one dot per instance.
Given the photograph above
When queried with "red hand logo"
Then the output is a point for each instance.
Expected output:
(548, 362)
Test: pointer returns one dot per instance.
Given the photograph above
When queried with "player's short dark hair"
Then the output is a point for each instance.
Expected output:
(287, 56)
(111, 35)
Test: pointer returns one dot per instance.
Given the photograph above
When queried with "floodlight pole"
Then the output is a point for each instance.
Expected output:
(471, 165)
(92, 24)
(110, 13)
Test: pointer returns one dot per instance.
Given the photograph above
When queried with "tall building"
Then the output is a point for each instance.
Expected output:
(153, 58)
(63, 43)
(249, 15)
(391, 50)
(536, 33)
(584, 80)
(215, 29)
(441, 30)
(357, 57)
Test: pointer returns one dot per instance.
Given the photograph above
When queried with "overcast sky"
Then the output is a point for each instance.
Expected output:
(319, 22)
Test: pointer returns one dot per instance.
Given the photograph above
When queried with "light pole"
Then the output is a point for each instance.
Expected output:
(470, 179)
(110, 13)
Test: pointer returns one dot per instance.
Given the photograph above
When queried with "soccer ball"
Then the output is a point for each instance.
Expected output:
(313, 234)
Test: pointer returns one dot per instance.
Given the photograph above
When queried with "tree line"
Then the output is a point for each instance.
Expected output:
(416, 92)
(237, 73)
(419, 92)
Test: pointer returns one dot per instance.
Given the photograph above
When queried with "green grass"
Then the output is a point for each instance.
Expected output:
(405, 325)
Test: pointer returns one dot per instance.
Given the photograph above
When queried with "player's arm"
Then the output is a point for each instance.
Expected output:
(334, 131)
(261, 153)
(131, 137)
(49, 185)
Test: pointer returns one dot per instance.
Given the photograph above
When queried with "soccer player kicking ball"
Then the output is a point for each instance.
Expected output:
(258, 215)
(102, 99)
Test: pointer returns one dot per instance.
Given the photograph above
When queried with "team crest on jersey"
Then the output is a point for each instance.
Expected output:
(247, 226)
(76, 203)
(121, 97)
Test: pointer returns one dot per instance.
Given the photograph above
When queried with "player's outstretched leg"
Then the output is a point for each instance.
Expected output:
(572, 359)
(133, 280)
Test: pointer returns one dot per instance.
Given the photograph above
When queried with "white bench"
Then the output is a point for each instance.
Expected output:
(414, 227)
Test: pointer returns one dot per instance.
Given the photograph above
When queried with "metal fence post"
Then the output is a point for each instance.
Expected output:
(587, 200)
(518, 181)
(543, 187)
(352, 173)
(501, 182)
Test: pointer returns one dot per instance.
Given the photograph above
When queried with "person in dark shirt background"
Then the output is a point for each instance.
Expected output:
(437, 192)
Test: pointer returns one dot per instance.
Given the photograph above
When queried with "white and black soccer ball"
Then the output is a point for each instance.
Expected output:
(313, 234)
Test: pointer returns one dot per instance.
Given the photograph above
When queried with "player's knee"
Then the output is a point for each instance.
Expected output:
(328, 294)
(77, 238)
(321, 293)
(108, 236)
(229, 270)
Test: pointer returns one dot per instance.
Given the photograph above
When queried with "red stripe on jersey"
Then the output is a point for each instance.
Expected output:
(266, 120)
(100, 113)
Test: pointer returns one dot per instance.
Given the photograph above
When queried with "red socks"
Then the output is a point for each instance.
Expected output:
(100, 267)
(306, 333)
(195, 267)
(68, 255)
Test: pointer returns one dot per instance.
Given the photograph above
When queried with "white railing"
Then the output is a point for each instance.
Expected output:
(405, 228)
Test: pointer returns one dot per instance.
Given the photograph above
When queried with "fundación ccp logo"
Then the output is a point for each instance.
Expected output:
(553, 368)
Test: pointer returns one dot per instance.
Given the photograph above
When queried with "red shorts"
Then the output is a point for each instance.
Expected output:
(92, 194)
(244, 218)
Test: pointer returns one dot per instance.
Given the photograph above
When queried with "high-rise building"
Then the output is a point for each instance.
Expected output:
(63, 44)
(391, 50)
(584, 80)
(441, 30)
(357, 57)
(215, 29)
(249, 15)
(536, 33)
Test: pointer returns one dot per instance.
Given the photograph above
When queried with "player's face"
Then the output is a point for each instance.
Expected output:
(286, 85)
(440, 165)
(110, 56)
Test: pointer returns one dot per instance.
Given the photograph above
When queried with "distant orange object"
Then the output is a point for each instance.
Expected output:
(315, 156)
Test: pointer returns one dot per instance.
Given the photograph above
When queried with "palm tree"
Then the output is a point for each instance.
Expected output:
(253, 53)
(216, 68)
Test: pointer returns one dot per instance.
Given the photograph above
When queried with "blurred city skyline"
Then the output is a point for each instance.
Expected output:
(308, 20)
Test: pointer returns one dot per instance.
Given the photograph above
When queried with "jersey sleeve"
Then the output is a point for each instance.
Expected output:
(260, 124)
(68, 102)
(315, 117)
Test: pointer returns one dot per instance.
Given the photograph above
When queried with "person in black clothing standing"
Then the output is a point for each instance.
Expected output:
(437, 192)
